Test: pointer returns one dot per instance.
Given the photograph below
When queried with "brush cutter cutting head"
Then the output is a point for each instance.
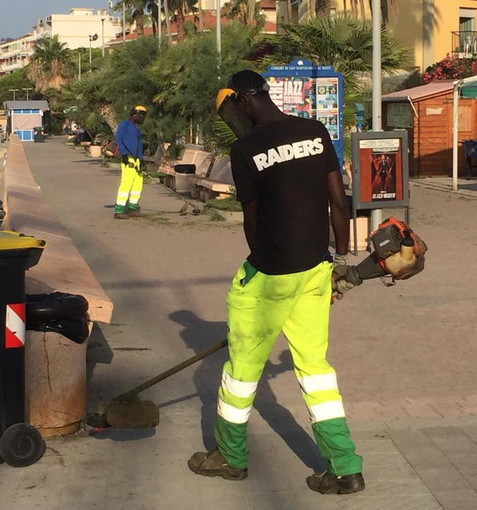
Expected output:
(136, 414)
(129, 414)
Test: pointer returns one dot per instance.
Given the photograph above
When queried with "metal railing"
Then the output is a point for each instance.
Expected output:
(464, 43)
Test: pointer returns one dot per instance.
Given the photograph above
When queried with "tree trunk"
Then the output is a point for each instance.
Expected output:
(109, 116)
(201, 15)
(139, 18)
(180, 20)
(384, 11)
(323, 7)
(168, 20)
(251, 11)
(361, 6)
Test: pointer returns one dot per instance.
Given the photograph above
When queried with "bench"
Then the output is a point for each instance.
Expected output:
(218, 183)
(55, 367)
(181, 182)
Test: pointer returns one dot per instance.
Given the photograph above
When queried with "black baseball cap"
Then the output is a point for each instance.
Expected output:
(248, 83)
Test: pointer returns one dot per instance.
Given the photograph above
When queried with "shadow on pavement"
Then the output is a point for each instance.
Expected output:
(207, 379)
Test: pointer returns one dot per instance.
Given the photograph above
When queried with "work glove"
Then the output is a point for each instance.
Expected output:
(142, 170)
(338, 283)
(128, 160)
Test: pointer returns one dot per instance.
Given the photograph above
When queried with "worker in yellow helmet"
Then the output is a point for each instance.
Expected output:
(287, 177)
(129, 141)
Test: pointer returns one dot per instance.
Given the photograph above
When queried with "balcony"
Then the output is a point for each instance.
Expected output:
(464, 44)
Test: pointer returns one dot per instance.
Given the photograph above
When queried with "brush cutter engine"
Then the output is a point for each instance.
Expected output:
(398, 252)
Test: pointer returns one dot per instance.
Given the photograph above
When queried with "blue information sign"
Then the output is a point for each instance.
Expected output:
(306, 90)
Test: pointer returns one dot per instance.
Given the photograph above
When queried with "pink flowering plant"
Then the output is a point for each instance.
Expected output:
(451, 68)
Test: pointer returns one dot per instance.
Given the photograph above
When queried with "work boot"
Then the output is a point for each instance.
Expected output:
(121, 216)
(327, 483)
(134, 213)
(213, 464)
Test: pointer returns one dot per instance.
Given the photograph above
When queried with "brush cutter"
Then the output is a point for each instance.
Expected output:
(398, 252)
(127, 411)
(185, 205)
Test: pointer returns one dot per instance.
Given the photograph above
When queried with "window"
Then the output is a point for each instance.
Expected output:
(468, 43)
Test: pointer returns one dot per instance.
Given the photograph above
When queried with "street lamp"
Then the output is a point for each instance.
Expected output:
(124, 21)
(376, 214)
(14, 90)
(102, 37)
(219, 33)
(80, 51)
(91, 38)
(27, 89)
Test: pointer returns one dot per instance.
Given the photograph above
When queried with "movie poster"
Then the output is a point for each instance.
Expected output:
(381, 170)
(310, 98)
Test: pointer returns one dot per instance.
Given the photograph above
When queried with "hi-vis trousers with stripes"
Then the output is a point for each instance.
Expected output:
(130, 187)
(259, 307)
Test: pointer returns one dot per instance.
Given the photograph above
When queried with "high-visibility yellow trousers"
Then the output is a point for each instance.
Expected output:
(130, 187)
(259, 307)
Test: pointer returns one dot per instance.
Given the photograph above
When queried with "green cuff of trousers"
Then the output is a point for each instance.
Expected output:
(335, 444)
(232, 442)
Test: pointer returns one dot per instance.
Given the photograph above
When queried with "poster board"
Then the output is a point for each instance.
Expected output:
(380, 169)
(312, 92)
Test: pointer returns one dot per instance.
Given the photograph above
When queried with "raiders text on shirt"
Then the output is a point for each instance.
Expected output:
(288, 152)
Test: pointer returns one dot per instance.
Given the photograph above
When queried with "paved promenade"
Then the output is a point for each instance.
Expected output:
(405, 356)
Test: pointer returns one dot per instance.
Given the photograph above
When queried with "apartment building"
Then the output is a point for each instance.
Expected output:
(16, 54)
(434, 28)
(80, 28)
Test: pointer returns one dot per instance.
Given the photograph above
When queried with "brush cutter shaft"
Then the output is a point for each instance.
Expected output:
(194, 207)
(164, 375)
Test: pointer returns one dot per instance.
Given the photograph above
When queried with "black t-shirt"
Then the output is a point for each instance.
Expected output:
(284, 165)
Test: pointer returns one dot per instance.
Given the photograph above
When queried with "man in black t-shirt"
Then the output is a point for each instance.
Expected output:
(287, 175)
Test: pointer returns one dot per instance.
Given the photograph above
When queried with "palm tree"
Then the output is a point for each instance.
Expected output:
(179, 9)
(323, 7)
(344, 42)
(89, 99)
(387, 7)
(137, 10)
(187, 81)
(51, 64)
(153, 8)
(246, 12)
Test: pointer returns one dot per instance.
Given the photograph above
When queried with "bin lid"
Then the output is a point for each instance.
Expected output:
(10, 241)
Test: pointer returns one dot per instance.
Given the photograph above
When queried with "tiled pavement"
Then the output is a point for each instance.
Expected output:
(405, 357)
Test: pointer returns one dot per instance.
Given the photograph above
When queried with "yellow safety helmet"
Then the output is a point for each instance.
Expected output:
(139, 108)
(222, 96)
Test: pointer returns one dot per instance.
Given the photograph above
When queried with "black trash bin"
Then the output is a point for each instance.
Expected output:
(58, 312)
(20, 443)
(184, 168)
(38, 136)
(470, 147)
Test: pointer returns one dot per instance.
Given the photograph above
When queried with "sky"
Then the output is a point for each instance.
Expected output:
(17, 17)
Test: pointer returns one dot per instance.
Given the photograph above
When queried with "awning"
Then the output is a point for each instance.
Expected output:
(469, 91)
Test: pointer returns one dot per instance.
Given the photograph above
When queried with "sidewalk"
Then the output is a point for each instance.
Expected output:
(405, 357)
